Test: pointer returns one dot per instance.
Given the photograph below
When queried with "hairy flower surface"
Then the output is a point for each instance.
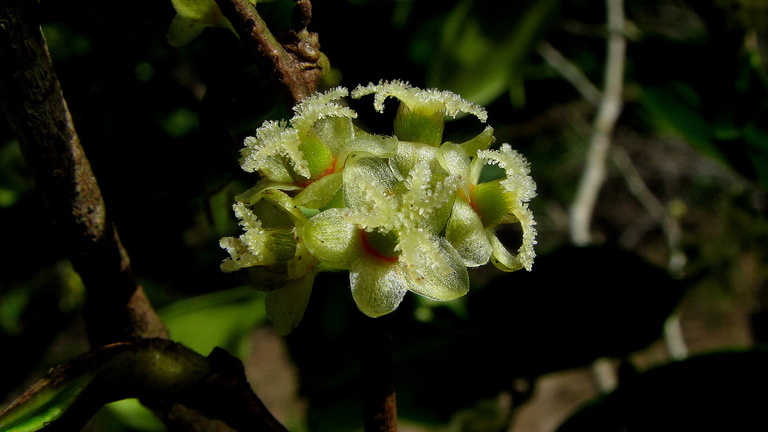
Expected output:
(401, 213)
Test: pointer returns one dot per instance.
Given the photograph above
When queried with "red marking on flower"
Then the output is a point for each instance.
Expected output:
(330, 170)
(372, 250)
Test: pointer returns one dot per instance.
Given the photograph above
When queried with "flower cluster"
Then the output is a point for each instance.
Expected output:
(401, 213)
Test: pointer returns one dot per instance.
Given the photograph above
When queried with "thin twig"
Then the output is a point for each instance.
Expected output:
(673, 332)
(605, 121)
(654, 207)
(569, 72)
(594, 171)
(377, 377)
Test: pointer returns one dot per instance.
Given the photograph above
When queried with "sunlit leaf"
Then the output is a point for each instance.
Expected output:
(45, 406)
(220, 319)
(132, 413)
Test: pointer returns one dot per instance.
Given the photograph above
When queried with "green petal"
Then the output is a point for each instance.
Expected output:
(331, 239)
(451, 103)
(439, 282)
(274, 152)
(320, 106)
(285, 306)
(320, 192)
(466, 233)
(377, 287)
(501, 257)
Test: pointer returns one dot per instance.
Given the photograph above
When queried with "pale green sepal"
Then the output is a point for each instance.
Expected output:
(285, 306)
(482, 141)
(377, 287)
(320, 192)
(441, 283)
(331, 239)
(466, 233)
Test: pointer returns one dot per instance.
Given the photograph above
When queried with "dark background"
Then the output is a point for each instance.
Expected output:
(163, 125)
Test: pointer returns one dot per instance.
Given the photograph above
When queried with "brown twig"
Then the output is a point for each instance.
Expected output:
(117, 308)
(156, 370)
(292, 63)
(378, 376)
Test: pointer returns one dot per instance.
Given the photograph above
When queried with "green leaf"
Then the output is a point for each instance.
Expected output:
(131, 413)
(205, 11)
(44, 406)
(756, 140)
(481, 62)
(220, 319)
(70, 394)
(675, 107)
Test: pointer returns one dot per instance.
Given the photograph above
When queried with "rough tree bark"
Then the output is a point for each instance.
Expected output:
(117, 308)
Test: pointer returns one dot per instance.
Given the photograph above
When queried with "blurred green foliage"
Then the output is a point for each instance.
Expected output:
(162, 127)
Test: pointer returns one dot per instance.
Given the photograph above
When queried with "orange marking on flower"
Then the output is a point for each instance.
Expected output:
(468, 198)
(372, 250)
